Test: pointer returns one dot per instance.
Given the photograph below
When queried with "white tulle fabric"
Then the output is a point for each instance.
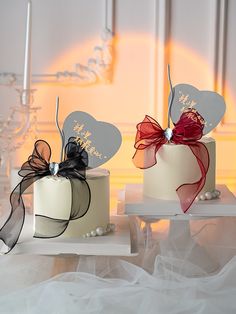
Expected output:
(175, 272)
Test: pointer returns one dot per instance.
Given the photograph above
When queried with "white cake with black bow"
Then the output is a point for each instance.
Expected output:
(53, 198)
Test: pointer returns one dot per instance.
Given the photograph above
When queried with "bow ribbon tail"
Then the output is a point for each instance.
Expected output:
(146, 158)
(11, 230)
(188, 192)
(48, 227)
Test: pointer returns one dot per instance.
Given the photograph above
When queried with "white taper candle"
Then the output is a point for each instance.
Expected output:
(27, 64)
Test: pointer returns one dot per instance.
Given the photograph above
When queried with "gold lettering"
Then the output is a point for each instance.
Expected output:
(193, 103)
(183, 99)
(87, 134)
(92, 150)
(186, 101)
(83, 140)
(86, 145)
(195, 117)
(78, 140)
(97, 154)
(78, 128)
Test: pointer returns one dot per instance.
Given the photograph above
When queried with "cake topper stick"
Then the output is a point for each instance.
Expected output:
(172, 91)
(59, 129)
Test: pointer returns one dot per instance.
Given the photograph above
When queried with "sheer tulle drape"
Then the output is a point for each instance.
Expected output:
(161, 279)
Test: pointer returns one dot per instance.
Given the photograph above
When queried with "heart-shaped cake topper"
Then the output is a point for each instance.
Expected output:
(100, 139)
(210, 105)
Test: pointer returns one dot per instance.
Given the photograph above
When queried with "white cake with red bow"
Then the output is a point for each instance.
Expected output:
(176, 165)
(179, 163)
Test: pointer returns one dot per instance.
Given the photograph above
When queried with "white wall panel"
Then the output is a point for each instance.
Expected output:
(188, 34)
(193, 31)
(230, 64)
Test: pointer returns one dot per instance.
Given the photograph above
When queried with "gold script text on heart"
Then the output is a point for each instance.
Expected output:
(83, 139)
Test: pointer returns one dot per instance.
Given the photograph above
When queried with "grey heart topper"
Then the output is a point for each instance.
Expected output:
(210, 105)
(100, 139)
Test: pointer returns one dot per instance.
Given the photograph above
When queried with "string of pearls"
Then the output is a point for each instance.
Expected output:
(100, 231)
(208, 196)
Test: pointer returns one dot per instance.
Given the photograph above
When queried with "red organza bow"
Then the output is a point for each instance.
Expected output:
(187, 131)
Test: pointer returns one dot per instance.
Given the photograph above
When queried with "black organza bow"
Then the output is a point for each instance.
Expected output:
(38, 166)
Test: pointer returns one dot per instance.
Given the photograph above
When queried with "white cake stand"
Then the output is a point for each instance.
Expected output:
(178, 244)
(122, 242)
(151, 210)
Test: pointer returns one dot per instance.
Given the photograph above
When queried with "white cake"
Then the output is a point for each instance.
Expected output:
(52, 198)
(175, 166)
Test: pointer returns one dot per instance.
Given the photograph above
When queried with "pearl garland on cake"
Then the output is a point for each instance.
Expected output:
(100, 231)
(208, 196)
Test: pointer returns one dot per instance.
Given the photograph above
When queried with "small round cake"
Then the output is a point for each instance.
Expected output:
(53, 196)
(176, 165)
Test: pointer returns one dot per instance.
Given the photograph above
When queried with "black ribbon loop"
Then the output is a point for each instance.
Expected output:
(73, 167)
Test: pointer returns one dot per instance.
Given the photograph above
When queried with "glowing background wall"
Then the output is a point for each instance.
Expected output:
(195, 36)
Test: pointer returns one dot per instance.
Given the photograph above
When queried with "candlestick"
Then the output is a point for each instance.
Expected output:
(26, 94)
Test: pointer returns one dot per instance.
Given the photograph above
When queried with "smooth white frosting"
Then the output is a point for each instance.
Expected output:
(177, 165)
(52, 198)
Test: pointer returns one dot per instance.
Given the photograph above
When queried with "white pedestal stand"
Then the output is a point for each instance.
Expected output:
(180, 244)
(179, 237)
(196, 254)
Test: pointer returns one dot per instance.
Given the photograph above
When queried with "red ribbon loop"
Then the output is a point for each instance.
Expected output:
(187, 131)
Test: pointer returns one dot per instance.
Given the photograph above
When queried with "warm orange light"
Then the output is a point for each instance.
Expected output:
(127, 99)
(159, 227)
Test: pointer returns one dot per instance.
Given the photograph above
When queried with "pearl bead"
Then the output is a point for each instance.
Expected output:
(88, 234)
(208, 195)
(93, 233)
(214, 194)
(108, 228)
(84, 236)
(202, 197)
(217, 192)
(197, 199)
(99, 231)
(112, 227)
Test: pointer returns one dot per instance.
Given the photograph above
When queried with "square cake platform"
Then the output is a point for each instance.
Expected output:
(122, 242)
(135, 203)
